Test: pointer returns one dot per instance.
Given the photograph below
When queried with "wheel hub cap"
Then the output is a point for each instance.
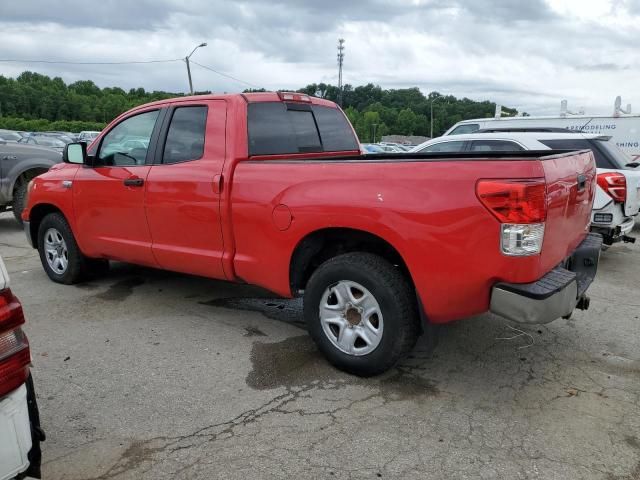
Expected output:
(351, 318)
(55, 250)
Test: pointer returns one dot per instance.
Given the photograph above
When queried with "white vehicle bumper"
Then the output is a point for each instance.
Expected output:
(618, 226)
(15, 433)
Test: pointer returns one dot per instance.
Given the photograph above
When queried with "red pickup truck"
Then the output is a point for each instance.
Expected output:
(272, 189)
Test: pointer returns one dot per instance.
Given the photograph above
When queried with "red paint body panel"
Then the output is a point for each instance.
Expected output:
(110, 216)
(247, 227)
(182, 206)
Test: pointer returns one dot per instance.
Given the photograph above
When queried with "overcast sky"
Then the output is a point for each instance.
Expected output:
(527, 54)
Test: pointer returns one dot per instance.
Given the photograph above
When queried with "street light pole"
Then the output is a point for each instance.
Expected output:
(186, 59)
(433, 100)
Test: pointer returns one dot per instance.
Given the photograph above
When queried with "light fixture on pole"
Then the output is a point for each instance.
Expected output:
(186, 59)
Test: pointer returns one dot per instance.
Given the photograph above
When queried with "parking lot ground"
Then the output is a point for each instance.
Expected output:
(154, 375)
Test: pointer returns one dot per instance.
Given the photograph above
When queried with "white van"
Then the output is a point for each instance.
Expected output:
(622, 127)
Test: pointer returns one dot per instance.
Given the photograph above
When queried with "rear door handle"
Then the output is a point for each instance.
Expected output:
(134, 182)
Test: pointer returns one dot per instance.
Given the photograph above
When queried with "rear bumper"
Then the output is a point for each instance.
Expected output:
(611, 234)
(20, 434)
(15, 434)
(556, 294)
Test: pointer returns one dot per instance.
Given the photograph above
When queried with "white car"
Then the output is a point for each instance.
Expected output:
(617, 201)
(621, 125)
(20, 433)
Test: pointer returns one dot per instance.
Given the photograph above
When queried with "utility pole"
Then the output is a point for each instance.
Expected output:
(340, 61)
(186, 59)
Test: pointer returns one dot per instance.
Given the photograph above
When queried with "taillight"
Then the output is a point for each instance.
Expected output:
(521, 208)
(615, 184)
(15, 356)
(294, 97)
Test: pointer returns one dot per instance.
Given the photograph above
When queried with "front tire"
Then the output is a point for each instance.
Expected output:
(59, 253)
(19, 195)
(361, 312)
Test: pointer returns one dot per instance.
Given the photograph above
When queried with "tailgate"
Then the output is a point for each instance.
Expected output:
(571, 180)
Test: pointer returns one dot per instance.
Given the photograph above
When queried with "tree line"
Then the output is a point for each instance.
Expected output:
(36, 102)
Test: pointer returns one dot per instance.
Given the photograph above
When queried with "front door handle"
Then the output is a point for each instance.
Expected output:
(134, 182)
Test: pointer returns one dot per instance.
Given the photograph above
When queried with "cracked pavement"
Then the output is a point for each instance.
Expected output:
(144, 374)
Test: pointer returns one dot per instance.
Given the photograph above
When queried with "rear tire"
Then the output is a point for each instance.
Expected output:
(61, 258)
(361, 312)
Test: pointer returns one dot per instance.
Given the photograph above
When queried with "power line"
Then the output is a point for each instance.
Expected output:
(224, 74)
(14, 60)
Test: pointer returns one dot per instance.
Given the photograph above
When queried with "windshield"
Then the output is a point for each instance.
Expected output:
(616, 155)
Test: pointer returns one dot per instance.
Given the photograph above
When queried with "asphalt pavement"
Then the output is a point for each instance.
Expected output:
(145, 374)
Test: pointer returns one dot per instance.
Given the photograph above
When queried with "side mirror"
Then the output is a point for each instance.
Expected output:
(75, 153)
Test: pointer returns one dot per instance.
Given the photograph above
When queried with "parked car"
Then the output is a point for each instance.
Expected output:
(399, 146)
(43, 141)
(617, 201)
(20, 432)
(371, 148)
(88, 136)
(63, 136)
(9, 136)
(279, 196)
(19, 164)
(621, 125)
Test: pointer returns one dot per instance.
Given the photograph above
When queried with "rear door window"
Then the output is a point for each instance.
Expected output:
(581, 144)
(494, 146)
(185, 138)
(444, 147)
(279, 128)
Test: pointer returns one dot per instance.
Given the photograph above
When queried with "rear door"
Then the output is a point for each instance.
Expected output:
(108, 198)
(183, 189)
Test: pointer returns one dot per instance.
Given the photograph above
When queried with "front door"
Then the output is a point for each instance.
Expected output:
(109, 196)
(182, 189)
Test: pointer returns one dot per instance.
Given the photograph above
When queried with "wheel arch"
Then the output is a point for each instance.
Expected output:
(320, 245)
(37, 214)
(29, 172)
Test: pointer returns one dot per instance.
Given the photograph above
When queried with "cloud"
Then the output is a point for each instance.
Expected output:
(524, 54)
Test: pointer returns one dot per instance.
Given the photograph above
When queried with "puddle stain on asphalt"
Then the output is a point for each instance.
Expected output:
(120, 290)
(254, 332)
(296, 362)
(287, 311)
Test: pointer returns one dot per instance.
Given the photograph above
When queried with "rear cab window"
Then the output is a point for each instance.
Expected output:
(278, 128)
